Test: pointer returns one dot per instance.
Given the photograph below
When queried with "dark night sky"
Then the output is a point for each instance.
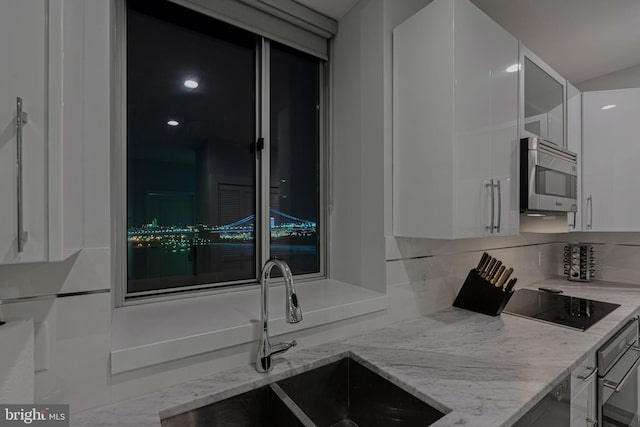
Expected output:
(218, 117)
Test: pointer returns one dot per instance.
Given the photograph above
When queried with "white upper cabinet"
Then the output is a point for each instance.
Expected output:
(61, 74)
(455, 124)
(543, 99)
(611, 128)
(574, 144)
(23, 191)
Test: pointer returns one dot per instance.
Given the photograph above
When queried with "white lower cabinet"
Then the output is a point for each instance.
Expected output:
(583, 393)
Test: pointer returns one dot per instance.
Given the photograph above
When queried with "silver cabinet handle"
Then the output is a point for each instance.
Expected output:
(619, 386)
(490, 227)
(590, 204)
(592, 422)
(589, 376)
(21, 120)
(499, 208)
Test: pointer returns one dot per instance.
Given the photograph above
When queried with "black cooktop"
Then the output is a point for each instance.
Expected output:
(570, 312)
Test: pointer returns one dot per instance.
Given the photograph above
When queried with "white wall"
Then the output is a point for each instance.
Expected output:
(419, 275)
(621, 79)
(357, 202)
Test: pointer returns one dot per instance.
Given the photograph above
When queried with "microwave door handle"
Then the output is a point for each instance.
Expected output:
(499, 208)
(490, 185)
(575, 216)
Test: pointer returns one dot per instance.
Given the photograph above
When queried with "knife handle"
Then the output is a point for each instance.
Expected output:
(485, 264)
(497, 276)
(488, 268)
(483, 259)
(504, 277)
(511, 284)
(494, 270)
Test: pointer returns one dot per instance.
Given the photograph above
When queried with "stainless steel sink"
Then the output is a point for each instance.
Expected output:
(343, 393)
(256, 408)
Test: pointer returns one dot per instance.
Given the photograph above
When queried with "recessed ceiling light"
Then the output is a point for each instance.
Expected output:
(191, 84)
(513, 68)
(608, 107)
(173, 123)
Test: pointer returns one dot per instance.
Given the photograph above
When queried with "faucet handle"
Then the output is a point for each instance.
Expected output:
(281, 347)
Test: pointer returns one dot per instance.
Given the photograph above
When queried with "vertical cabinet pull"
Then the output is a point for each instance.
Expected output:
(21, 120)
(491, 186)
(590, 205)
(575, 218)
(499, 208)
(495, 185)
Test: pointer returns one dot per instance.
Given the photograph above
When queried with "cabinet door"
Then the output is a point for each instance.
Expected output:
(583, 393)
(22, 74)
(610, 160)
(574, 143)
(543, 99)
(485, 125)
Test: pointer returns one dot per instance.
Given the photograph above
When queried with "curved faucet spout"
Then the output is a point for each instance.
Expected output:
(293, 313)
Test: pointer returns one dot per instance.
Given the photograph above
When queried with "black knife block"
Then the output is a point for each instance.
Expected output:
(479, 295)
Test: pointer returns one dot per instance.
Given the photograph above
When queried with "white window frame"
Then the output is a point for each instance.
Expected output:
(119, 176)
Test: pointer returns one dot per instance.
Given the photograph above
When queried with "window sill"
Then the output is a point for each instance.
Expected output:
(148, 334)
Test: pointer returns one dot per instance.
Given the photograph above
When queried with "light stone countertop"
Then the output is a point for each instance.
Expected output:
(479, 370)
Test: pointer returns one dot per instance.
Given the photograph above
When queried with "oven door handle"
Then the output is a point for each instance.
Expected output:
(619, 386)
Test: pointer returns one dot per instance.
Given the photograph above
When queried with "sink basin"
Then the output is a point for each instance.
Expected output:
(345, 393)
(342, 393)
(256, 408)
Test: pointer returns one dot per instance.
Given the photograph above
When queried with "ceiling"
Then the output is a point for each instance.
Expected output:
(335, 9)
(580, 39)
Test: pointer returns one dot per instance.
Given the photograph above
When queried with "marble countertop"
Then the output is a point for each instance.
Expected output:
(479, 370)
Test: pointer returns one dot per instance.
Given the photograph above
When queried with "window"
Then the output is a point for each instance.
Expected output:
(223, 153)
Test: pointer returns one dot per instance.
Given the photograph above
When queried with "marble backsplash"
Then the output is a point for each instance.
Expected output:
(617, 255)
(424, 275)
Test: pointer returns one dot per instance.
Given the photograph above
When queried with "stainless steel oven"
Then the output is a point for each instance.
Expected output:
(548, 177)
(618, 379)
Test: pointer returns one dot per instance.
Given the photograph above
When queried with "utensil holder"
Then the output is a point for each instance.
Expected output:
(479, 295)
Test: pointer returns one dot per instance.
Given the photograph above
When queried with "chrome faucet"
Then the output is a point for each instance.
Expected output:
(293, 313)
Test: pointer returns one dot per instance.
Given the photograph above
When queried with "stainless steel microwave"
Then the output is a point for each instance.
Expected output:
(548, 177)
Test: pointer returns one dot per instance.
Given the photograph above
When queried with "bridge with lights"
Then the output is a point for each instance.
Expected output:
(178, 237)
